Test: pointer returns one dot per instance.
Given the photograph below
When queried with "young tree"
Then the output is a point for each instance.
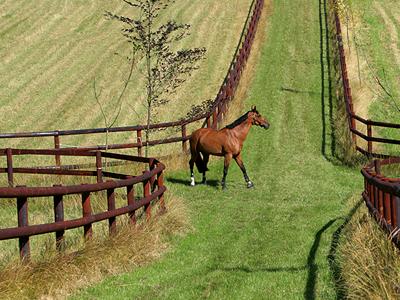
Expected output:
(165, 69)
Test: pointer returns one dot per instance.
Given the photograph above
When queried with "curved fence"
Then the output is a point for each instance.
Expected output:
(209, 119)
(382, 196)
(381, 193)
(371, 127)
(105, 187)
(151, 180)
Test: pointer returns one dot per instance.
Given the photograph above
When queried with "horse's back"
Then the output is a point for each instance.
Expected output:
(207, 140)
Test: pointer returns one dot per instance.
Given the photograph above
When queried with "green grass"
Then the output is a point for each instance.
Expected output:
(377, 27)
(278, 240)
(51, 51)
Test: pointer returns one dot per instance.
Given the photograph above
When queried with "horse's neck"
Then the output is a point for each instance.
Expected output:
(242, 130)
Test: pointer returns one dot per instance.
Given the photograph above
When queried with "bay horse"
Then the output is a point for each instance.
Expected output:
(227, 142)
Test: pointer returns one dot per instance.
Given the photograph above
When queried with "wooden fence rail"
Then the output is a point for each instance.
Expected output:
(210, 118)
(381, 194)
(151, 180)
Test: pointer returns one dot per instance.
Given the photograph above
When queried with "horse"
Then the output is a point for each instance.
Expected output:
(226, 142)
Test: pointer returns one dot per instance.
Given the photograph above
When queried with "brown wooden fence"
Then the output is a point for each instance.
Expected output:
(210, 119)
(381, 193)
(106, 186)
(152, 180)
(372, 127)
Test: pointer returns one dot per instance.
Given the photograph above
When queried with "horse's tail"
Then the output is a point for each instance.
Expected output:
(201, 167)
(200, 164)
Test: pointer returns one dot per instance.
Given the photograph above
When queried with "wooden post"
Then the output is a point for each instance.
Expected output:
(393, 209)
(24, 247)
(214, 119)
(99, 167)
(184, 141)
(387, 208)
(369, 133)
(10, 173)
(87, 212)
(139, 140)
(112, 222)
(208, 122)
(130, 192)
(57, 146)
(396, 219)
(59, 217)
(146, 193)
(377, 164)
(160, 183)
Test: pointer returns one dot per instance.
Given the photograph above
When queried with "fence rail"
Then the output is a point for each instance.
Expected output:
(151, 180)
(381, 194)
(372, 127)
(209, 119)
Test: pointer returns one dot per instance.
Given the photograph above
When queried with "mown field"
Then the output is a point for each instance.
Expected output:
(280, 239)
(371, 30)
(51, 52)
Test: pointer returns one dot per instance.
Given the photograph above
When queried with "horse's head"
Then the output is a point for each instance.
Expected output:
(257, 118)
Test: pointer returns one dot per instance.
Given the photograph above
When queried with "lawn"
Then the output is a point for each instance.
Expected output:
(278, 240)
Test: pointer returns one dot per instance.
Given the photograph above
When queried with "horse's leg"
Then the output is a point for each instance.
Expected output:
(205, 160)
(227, 161)
(240, 163)
(191, 165)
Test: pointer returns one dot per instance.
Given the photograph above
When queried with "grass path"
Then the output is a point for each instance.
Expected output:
(272, 242)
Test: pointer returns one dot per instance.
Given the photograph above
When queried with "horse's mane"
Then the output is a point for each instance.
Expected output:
(238, 121)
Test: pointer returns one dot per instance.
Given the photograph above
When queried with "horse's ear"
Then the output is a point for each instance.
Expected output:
(254, 108)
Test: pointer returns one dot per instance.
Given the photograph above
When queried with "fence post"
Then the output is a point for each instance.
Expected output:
(24, 247)
(397, 210)
(10, 173)
(369, 133)
(214, 119)
(387, 208)
(160, 183)
(59, 217)
(99, 167)
(184, 141)
(139, 140)
(146, 193)
(377, 164)
(112, 222)
(57, 146)
(130, 192)
(87, 212)
(208, 122)
(352, 121)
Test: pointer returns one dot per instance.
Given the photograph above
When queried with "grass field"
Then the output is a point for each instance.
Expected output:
(51, 52)
(277, 241)
(373, 28)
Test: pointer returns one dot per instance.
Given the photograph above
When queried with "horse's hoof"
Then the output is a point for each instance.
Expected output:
(192, 182)
(250, 185)
(224, 187)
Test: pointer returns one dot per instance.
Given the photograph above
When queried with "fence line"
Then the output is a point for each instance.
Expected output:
(151, 180)
(210, 119)
(381, 194)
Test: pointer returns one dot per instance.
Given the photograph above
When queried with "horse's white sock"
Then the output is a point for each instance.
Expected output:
(192, 183)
